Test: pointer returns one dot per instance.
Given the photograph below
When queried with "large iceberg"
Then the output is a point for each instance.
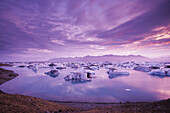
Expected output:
(77, 77)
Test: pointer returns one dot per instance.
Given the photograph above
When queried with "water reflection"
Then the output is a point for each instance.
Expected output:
(34, 70)
(53, 76)
(111, 76)
(102, 89)
(76, 81)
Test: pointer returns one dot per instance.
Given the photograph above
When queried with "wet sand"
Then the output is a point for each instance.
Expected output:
(20, 103)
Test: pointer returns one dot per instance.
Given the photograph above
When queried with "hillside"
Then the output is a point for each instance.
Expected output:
(112, 58)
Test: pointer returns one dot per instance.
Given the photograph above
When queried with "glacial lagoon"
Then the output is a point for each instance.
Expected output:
(136, 87)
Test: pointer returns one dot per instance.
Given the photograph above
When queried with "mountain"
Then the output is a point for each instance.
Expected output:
(112, 58)
(162, 59)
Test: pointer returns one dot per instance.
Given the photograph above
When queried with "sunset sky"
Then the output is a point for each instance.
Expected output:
(44, 29)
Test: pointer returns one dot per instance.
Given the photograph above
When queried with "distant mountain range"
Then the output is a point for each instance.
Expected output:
(112, 58)
(162, 59)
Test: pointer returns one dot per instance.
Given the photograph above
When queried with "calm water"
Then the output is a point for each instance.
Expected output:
(138, 86)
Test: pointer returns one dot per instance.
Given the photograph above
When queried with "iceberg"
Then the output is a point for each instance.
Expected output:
(141, 68)
(77, 77)
(116, 73)
(160, 72)
(33, 67)
(52, 73)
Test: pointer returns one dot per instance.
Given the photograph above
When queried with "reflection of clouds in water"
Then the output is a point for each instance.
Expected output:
(111, 76)
(79, 81)
(144, 87)
(163, 93)
(118, 92)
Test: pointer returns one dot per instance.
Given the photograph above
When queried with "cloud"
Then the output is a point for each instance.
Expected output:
(39, 50)
(137, 28)
(51, 26)
(97, 47)
(60, 42)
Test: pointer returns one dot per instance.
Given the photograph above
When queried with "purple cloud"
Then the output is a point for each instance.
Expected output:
(65, 28)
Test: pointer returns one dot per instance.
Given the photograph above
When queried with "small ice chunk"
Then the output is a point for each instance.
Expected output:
(60, 83)
(127, 89)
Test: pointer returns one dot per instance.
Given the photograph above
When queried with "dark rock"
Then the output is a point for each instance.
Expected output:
(2, 92)
(60, 110)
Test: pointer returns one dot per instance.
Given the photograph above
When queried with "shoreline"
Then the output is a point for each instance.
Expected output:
(8, 103)
(6, 75)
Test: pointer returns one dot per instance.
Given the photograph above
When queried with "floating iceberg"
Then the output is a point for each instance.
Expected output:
(77, 77)
(127, 89)
(94, 67)
(52, 73)
(160, 72)
(141, 68)
(108, 66)
(74, 66)
(90, 72)
(60, 66)
(116, 73)
(33, 67)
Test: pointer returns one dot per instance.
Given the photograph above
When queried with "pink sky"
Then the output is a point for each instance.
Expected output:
(44, 29)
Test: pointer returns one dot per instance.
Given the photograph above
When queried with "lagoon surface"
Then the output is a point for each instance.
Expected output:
(136, 87)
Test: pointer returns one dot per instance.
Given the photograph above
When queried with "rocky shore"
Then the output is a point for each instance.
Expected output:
(20, 103)
(10, 103)
(6, 75)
